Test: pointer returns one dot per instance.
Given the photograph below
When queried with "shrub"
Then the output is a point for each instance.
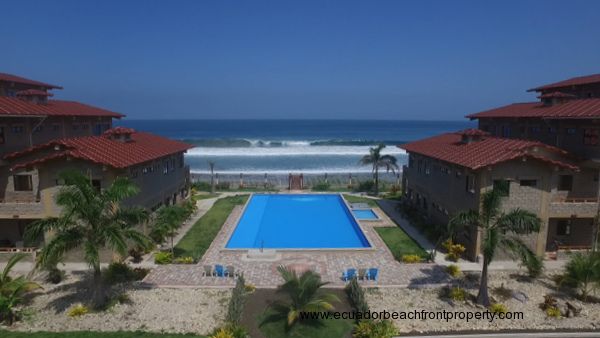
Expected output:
(457, 294)
(237, 301)
(455, 250)
(356, 294)
(583, 271)
(553, 312)
(163, 257)
(409, 259)
(453, 270)
(118, 272)
(549, 301)
(184, 260)
(374, 329)
(136, 254)
(365, 186)
(498, 308)
(78, 310)
(321, 186)
(223, 186)
(55, 276)
(534, 266)
(250, 288)
(201, 186)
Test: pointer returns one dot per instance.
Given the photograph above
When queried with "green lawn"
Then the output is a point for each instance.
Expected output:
(330, 328)
(205, 196)
(198, 238)
(88, 334)
(357, 199)
(399, 243)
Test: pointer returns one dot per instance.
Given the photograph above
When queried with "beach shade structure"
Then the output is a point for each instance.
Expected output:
(219, 270)
(373, 274)
(349, 274)
(207, 270)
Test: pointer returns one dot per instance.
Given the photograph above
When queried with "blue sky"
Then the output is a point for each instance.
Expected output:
(299, 59)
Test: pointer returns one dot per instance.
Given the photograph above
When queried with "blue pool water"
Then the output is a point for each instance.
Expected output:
(297, 222)
(367, 214)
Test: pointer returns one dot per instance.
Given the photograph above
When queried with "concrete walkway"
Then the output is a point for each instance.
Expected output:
(550, 334)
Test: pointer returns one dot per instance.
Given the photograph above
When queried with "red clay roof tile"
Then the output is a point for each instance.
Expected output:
(15, 106)
(18, 79)
(574, 109)
(478, 154)
(143, 147)
(580, 80)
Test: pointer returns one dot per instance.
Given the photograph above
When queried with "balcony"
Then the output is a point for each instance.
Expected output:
(25, 210)
(566, 206)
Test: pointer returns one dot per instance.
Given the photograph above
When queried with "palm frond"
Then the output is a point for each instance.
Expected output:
(12, 261)
(463, 221)
(120, 189)
(520, 250)
(519, 221)
(490, 205)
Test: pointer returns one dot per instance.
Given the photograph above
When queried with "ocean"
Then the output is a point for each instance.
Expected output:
(278, 147)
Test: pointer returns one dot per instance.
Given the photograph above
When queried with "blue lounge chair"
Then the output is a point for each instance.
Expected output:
(373, 274)
(219, 270)
(349, 274)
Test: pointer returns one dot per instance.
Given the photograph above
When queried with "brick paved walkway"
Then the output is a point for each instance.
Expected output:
(330, 264)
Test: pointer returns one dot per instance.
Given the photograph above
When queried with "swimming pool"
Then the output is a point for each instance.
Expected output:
(366, 214)
(299, 221)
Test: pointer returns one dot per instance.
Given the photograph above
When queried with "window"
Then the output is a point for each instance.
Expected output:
(445, 170)
(18, 129)
(528, 183)
(565, 182)
(505, 131)
(75, 126)
(458, 174)
(563, 227)
(536, 129)
(2, 139)
(97, 185)
(165, 167)
(134, 173)
(23, 182)
(551, 130)
(181, 160)
(571, 131)
(85, 126)
(590, 137)
(502, 187)
(56, 127)
(427, 169)
(419, 166)
(38, 129)
(470, 184)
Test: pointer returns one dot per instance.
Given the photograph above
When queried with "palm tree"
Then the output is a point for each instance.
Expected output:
(379, 161)
(499, 230)
(304, 294)
(92, 220)
(211, 165)
(12, 290)
(168, 220)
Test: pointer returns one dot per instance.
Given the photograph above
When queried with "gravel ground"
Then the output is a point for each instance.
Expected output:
(154, 310)
(393, 299)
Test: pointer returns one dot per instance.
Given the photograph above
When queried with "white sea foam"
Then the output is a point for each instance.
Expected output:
(290, 150)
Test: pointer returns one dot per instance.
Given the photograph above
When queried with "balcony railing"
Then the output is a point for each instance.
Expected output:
(563, 199)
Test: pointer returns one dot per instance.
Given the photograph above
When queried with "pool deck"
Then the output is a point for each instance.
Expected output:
(329, 263)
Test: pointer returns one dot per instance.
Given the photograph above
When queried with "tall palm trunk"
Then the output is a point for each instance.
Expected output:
(98, 292)
(376, 181)
(483, 297)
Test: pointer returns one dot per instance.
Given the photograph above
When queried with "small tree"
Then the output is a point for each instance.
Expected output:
(237, 301)
(583, 271)
(92, 220)
(304, 295)
(12, 290)
(499, 230)
(168, 221)
(377, 161)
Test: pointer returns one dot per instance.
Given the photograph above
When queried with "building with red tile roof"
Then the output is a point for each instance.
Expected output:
(41, 138)
(541, 156)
